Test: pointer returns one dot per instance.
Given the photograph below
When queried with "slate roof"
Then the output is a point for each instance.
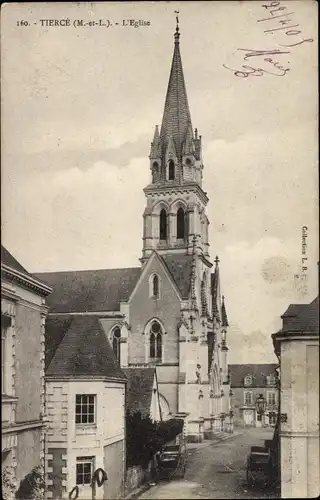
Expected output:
(293, 310)
(103, 289)
(8, 260)
(139, 389)
(176, 115)
(180, 268)
(77, 346)
(258, 371)
(306, 319)
(88, 291)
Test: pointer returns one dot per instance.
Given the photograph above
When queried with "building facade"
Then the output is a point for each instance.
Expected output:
(248, 382)
(167, 313)
(23, 313)
(297, 347)
(85, 410)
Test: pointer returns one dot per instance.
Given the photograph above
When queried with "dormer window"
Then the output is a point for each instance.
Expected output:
(271, 380)
(171, 175)
(248, 380)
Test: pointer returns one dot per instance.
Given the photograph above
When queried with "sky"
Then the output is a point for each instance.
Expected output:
(79, 107)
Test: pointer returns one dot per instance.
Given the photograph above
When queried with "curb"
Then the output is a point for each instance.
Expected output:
(214, 442)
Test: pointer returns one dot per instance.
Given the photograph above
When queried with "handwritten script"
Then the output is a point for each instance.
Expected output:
(275, 61)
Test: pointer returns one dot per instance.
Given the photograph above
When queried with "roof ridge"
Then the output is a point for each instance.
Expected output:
(86, 270)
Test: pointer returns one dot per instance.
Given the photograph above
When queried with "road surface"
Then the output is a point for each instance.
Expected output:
(215, 470)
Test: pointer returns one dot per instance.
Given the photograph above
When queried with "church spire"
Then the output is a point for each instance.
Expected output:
(176, 116)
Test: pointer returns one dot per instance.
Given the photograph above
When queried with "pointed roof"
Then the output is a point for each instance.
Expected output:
(188, 145)
(224, 313)
(78, 347)
(176, 116)
(155, 151)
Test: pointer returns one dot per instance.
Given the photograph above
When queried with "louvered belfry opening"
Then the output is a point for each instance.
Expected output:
(163, 225)
(180, 224)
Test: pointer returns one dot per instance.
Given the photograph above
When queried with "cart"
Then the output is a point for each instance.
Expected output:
(259, 466)
(172, 461)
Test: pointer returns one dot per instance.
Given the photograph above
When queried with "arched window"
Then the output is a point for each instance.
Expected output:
(163, 224)
(180, 224)
(115, 339)
(155, 286)
(171, 170)
(155, 342)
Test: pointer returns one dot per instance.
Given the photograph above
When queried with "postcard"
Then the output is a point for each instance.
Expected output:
(160, 249)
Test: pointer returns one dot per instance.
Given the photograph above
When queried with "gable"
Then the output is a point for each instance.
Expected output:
(155, 265)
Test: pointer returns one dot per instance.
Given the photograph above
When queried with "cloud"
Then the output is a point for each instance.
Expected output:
(84, 216)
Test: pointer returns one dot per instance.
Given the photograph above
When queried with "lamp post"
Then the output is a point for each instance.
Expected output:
(260, 407)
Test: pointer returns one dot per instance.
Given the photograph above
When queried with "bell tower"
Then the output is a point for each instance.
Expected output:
(175, 201)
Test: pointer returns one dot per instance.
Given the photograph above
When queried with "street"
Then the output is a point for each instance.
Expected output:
(215, 470)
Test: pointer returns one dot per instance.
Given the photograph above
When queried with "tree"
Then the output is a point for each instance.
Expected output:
(9, 483)
(32, 486)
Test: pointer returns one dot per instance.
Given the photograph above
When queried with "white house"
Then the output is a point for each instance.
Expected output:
(85, 409)
(297, 347)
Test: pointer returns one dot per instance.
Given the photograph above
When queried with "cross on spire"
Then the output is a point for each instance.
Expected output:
(177, 34)
(216, 260)
(177, 19)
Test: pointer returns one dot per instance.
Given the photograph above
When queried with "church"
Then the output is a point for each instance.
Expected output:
(168, 312)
